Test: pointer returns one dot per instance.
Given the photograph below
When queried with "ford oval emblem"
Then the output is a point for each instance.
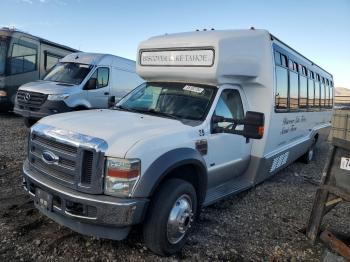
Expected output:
(49, 158)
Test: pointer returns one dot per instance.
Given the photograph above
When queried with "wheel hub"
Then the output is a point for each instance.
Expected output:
(180, 219)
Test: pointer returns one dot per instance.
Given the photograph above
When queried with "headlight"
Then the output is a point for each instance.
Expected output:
(57, 97)
(3, 93)
(121, 176)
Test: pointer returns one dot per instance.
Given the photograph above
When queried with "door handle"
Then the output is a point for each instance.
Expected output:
(106, 93)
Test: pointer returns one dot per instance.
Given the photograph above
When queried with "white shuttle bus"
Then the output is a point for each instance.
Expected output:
(221, 111)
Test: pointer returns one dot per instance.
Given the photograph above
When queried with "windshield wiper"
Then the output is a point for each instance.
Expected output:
(154, 112)
(126, 109)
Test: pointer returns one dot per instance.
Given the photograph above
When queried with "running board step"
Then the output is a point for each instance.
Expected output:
(229, 188)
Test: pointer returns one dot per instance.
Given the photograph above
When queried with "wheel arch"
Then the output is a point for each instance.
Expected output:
(183, 163)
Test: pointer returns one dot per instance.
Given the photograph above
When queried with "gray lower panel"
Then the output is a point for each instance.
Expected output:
(234, 186)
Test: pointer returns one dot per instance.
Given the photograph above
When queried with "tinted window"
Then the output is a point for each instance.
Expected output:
(323, 94)
(293, 90)
(277, 58)
(284, 60)
(303, 92)
(311, 93)
(317, 94)
(102, 77)
(281, 97)
(230, 105)
(3, 52)
(23, 59)
(50, 61)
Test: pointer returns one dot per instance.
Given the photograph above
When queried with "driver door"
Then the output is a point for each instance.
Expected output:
(228, 154)
(98, 96)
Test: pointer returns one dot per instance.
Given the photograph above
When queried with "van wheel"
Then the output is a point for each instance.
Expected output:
(29, 122)
(170, 217)
(309, 155)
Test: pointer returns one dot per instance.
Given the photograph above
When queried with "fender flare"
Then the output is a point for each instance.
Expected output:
(166, 163)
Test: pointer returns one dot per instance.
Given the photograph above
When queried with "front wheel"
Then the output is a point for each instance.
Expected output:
(28, 122)
(170, 217)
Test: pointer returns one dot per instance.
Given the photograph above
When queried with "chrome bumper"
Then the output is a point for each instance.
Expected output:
(97, 215)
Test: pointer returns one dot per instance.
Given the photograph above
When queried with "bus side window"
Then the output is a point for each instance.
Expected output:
(281, 95)
(303, 92)
(23, 58)
(293, 91)
(311, 91)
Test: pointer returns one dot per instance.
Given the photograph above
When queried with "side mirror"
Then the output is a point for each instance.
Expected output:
(253, 125)
(91, 84)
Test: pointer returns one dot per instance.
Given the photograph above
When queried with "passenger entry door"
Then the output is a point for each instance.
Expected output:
(228, 154)
(98, 96)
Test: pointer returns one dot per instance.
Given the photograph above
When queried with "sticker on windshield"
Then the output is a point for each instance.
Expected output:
(195, 89)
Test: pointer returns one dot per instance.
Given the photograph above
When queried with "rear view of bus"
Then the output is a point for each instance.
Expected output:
(24, 58)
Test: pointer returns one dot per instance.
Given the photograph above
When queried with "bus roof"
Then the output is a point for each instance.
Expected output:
(235, 55)
(9, 31)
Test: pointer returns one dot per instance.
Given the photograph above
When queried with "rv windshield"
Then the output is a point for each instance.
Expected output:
(3, 52)
(173, 100)
(69, 73)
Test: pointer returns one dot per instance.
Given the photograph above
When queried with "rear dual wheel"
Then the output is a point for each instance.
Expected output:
(170, 217)
(310, 154)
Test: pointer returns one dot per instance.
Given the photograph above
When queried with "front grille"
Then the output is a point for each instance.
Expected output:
(78, 167)
(52, 144)
(87, 170)
(31, 99)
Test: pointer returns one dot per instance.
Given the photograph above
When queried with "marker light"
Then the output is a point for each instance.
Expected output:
(121, 176)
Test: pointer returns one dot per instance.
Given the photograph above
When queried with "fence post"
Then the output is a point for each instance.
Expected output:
(346, 126)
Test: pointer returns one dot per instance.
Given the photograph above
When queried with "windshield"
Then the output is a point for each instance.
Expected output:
(3, 52)
(69, 73)
(175, 100)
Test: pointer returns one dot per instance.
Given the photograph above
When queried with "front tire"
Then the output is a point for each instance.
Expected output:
(28, 122)
(170, 217)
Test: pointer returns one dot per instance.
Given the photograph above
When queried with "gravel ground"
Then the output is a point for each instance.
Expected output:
(261, 224)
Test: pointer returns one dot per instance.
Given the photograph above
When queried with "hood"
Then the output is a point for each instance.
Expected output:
(121, 130)
(48, 87)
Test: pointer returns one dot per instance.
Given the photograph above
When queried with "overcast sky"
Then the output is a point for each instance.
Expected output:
(319, 29)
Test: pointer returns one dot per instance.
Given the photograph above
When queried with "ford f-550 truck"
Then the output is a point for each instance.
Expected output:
(220, 112)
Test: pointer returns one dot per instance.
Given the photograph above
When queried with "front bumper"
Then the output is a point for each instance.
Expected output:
(5, 102)
(46, 109)
(95, 215)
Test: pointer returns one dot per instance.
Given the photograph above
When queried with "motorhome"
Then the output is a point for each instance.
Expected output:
(220, 112)
(24, 58)
(79, 81)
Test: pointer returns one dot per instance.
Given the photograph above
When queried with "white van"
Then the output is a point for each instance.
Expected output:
(220, 112)
(79, 81)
